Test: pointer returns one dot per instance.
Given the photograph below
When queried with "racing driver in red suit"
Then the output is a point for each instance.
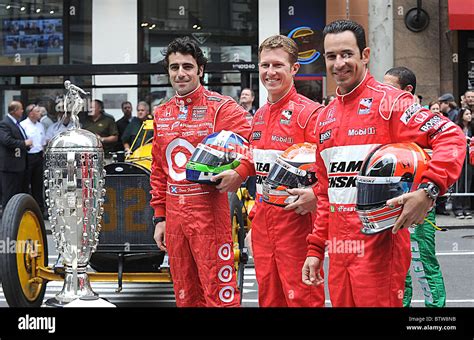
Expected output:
(192, 221)
(279, 234)
(369, 270)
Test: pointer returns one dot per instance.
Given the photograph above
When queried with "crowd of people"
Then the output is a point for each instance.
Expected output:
(25, 133)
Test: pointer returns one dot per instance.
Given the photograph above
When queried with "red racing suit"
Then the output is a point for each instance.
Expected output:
(198, 229)
(371, 270)
(279, 236)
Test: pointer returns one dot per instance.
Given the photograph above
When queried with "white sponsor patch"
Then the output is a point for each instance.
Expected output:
(433, 123)
(325, 136)
(421, 116)
(365, 105)
(409, 112)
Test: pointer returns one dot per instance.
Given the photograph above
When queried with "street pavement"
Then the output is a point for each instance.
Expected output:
(454, 248)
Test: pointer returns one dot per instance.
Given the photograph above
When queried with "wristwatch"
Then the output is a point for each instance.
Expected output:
(158, 219)
(431, 190)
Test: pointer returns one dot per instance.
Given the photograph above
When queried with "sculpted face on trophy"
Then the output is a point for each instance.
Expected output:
(74, 182)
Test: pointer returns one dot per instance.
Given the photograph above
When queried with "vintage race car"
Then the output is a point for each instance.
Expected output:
(126, 252)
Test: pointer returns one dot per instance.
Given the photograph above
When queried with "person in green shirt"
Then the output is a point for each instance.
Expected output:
(102, 124)
(424, 263)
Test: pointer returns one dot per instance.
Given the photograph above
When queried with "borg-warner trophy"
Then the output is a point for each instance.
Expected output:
(74, 182)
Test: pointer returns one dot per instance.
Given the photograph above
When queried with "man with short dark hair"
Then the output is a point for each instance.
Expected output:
(247, 96)
(374, 273)
(402, 78)
(469, 99)
(194, 217)
(14, 145)
(123, 122)
(448, 106)
(424, 261)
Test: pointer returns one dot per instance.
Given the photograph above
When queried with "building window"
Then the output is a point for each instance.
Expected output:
(227, 31)
(80, 31)
(31, 32)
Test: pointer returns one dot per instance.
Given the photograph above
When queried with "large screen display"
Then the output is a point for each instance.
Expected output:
(33, 36)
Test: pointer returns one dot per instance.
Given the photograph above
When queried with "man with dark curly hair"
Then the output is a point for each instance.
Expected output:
(193, 219)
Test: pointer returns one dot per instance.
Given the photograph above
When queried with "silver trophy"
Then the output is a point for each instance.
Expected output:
(74, 182)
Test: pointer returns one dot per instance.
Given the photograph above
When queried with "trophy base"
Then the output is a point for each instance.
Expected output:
(53, 302)
(70, 292)
(90, 301)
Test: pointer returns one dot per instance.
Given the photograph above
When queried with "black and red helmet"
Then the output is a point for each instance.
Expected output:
(388, 171)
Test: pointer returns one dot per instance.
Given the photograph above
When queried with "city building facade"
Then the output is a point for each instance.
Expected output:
(113, 48)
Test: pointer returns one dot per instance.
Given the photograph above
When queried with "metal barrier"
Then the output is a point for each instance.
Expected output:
(459, 196)
(463, 186)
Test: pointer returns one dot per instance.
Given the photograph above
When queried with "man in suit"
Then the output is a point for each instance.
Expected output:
(13, 149)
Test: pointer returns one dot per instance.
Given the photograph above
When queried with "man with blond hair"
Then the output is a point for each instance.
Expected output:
(278, 235)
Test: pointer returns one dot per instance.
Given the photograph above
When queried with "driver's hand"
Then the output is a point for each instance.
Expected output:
(311, 272)
(305, 203)
(231, 181)
(159, 235)
(416, 204)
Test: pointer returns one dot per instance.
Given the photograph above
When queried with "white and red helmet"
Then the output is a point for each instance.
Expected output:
(294, 168)
(388, 171)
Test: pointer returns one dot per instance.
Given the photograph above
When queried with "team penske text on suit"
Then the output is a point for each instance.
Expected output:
(348, 129)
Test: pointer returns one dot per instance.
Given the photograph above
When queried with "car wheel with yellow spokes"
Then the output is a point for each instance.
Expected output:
(24, 236)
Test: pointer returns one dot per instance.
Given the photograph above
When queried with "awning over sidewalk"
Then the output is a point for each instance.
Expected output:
(461, 14)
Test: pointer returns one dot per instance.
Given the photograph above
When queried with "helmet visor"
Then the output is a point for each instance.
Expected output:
(208, 156)
(286, 174)
(373, 191)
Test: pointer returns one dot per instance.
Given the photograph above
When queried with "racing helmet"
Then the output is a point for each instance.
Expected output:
(388, 171)
(217, 152)
(294, 168)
